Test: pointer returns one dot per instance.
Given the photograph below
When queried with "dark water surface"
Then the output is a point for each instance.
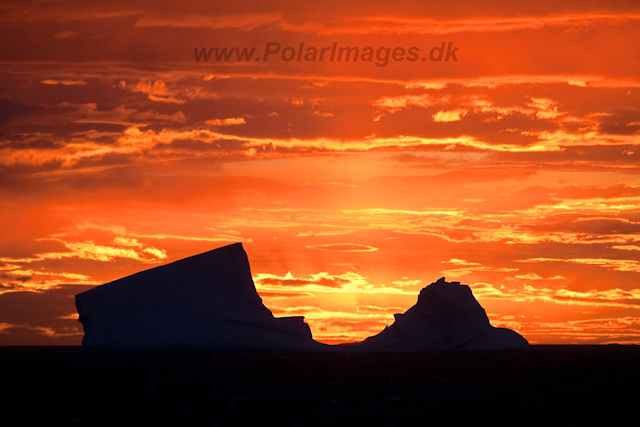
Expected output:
(547, 385)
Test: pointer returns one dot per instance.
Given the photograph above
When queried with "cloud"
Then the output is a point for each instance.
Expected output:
(244, 21)
(324, 233)
(175, 142)
(615, 297)
(125, 241)
(348, 282)
(217, 238)
(343, 247)
(534, 276)
(68, 34)
(92, 251)
(449, 116)
(321, 114)
(546, 108)
(402, 22)
(226, 122)
(130, 117)
(38, 280)
(377, 309)
(627, 247)
(157, 91)
(64, 82)
(396, 103)
(406, 282)
(600, 330)
(626, 265)
(471, 267)
(406, 25)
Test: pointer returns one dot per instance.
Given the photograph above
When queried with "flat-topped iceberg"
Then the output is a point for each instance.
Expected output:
(204, 301)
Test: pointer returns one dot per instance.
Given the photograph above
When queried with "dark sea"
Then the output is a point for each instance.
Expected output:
(547, 385)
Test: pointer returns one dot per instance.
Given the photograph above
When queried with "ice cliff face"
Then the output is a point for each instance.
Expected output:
(446, 317)
(205, 301)
(210, 301)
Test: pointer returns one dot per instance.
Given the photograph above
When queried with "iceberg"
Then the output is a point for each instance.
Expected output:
(446, 317)
(210, 301)
(204, 301)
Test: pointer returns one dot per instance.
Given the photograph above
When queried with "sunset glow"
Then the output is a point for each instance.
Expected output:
(511, 165)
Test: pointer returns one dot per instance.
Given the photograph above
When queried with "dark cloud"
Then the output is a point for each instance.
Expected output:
(36, 318)
(621, 122)
(11, 108)
(596, 226)
(591, 191)
(18, 279)
(624, 158)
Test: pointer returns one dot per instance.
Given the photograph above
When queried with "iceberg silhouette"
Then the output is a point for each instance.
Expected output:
(204, 301)
(210, 301)
(446, 317)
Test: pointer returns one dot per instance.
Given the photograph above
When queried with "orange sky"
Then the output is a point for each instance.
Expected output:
(514, 169)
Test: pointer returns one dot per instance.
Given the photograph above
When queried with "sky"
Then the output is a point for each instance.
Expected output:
(358, 150)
